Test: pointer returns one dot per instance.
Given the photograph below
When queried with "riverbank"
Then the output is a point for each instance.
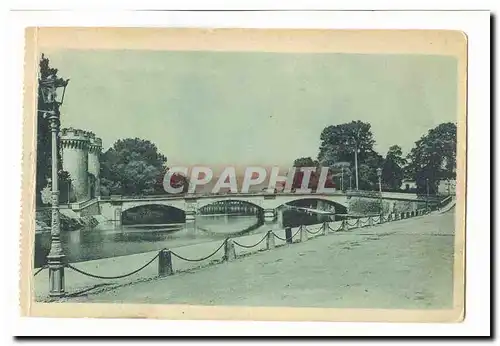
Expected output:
(77, 284)
(120, 265)
(406, 264)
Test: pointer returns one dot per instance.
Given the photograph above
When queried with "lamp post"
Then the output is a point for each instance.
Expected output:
(356, 150)
(356, 164)
(342, 179)
(379, 175)
(427, 195)
(48, 87)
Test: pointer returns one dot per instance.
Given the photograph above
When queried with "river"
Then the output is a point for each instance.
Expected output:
(106, 240)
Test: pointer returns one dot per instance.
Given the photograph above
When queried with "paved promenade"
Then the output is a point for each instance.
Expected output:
(402, 264)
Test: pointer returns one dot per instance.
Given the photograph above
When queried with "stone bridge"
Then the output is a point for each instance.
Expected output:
(113, 207)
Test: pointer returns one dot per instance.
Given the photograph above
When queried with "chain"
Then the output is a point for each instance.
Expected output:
(250, 246)
(203, 258)
(112, 277)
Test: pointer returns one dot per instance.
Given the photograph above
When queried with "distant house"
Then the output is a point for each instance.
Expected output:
(447, 187)
(408, 184)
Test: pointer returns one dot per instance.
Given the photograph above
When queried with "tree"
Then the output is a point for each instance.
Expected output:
(393, 167)
(342, 174)
(367, 170)
(132, 167)
(339, 142)
(305, 162)
(433, 158)
(44, 139)
(176, 180)
(315, 175)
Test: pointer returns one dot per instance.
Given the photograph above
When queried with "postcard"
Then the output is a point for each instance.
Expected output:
(244, 174)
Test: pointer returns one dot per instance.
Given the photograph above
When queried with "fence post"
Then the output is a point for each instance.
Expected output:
(407, 214)
(288, 235)
(325, 228)
(165, 263)
(270, 244)
(370, 221)
(345, 226)
(229, 251)
(303, 234)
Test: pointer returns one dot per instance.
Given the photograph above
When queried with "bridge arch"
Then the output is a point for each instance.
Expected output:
(151, 213)
(129, 206)
(340, 206)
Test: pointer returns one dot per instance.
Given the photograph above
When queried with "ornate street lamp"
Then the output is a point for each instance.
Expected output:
(53, 90)
(379, 175)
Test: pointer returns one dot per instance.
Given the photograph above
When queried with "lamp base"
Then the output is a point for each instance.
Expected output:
(56, 276)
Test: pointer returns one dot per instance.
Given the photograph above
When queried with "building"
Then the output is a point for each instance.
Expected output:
(80, 158)
(447, 187)
(408, 184)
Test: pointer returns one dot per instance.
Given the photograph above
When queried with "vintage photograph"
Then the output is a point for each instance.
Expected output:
(274, 169)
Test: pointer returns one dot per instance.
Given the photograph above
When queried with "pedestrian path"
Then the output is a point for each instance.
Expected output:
(395, 265)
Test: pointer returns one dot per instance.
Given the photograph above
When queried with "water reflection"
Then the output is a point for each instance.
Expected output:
(107, 241)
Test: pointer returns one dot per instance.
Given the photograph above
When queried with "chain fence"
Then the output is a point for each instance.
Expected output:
(112, 277)
(357, 223)
(335, 230)
(40, 269)
(203, 258)
(250, 246)
(313, 232)
(287, 239)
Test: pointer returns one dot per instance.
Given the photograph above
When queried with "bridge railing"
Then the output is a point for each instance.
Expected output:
(83, 204)
(164, 256)
(211, 195)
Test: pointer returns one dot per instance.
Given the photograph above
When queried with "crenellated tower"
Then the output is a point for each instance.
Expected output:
(94, 167)
(75, 148)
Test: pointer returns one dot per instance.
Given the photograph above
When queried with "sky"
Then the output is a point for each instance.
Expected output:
(252, 108)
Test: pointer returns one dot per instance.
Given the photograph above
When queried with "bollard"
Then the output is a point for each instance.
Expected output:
(165, 263)
(345, 226)
(270, 244)
(407, 214)
(402, 216)
(288, 235)
(381, 219)
(370, 221)
(325, 228)
(229, 251)
(303, 234)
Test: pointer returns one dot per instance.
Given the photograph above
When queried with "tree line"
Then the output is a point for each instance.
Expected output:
(432, 159)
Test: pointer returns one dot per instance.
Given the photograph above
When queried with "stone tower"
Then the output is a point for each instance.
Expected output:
(94, 167)
(75, 147)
